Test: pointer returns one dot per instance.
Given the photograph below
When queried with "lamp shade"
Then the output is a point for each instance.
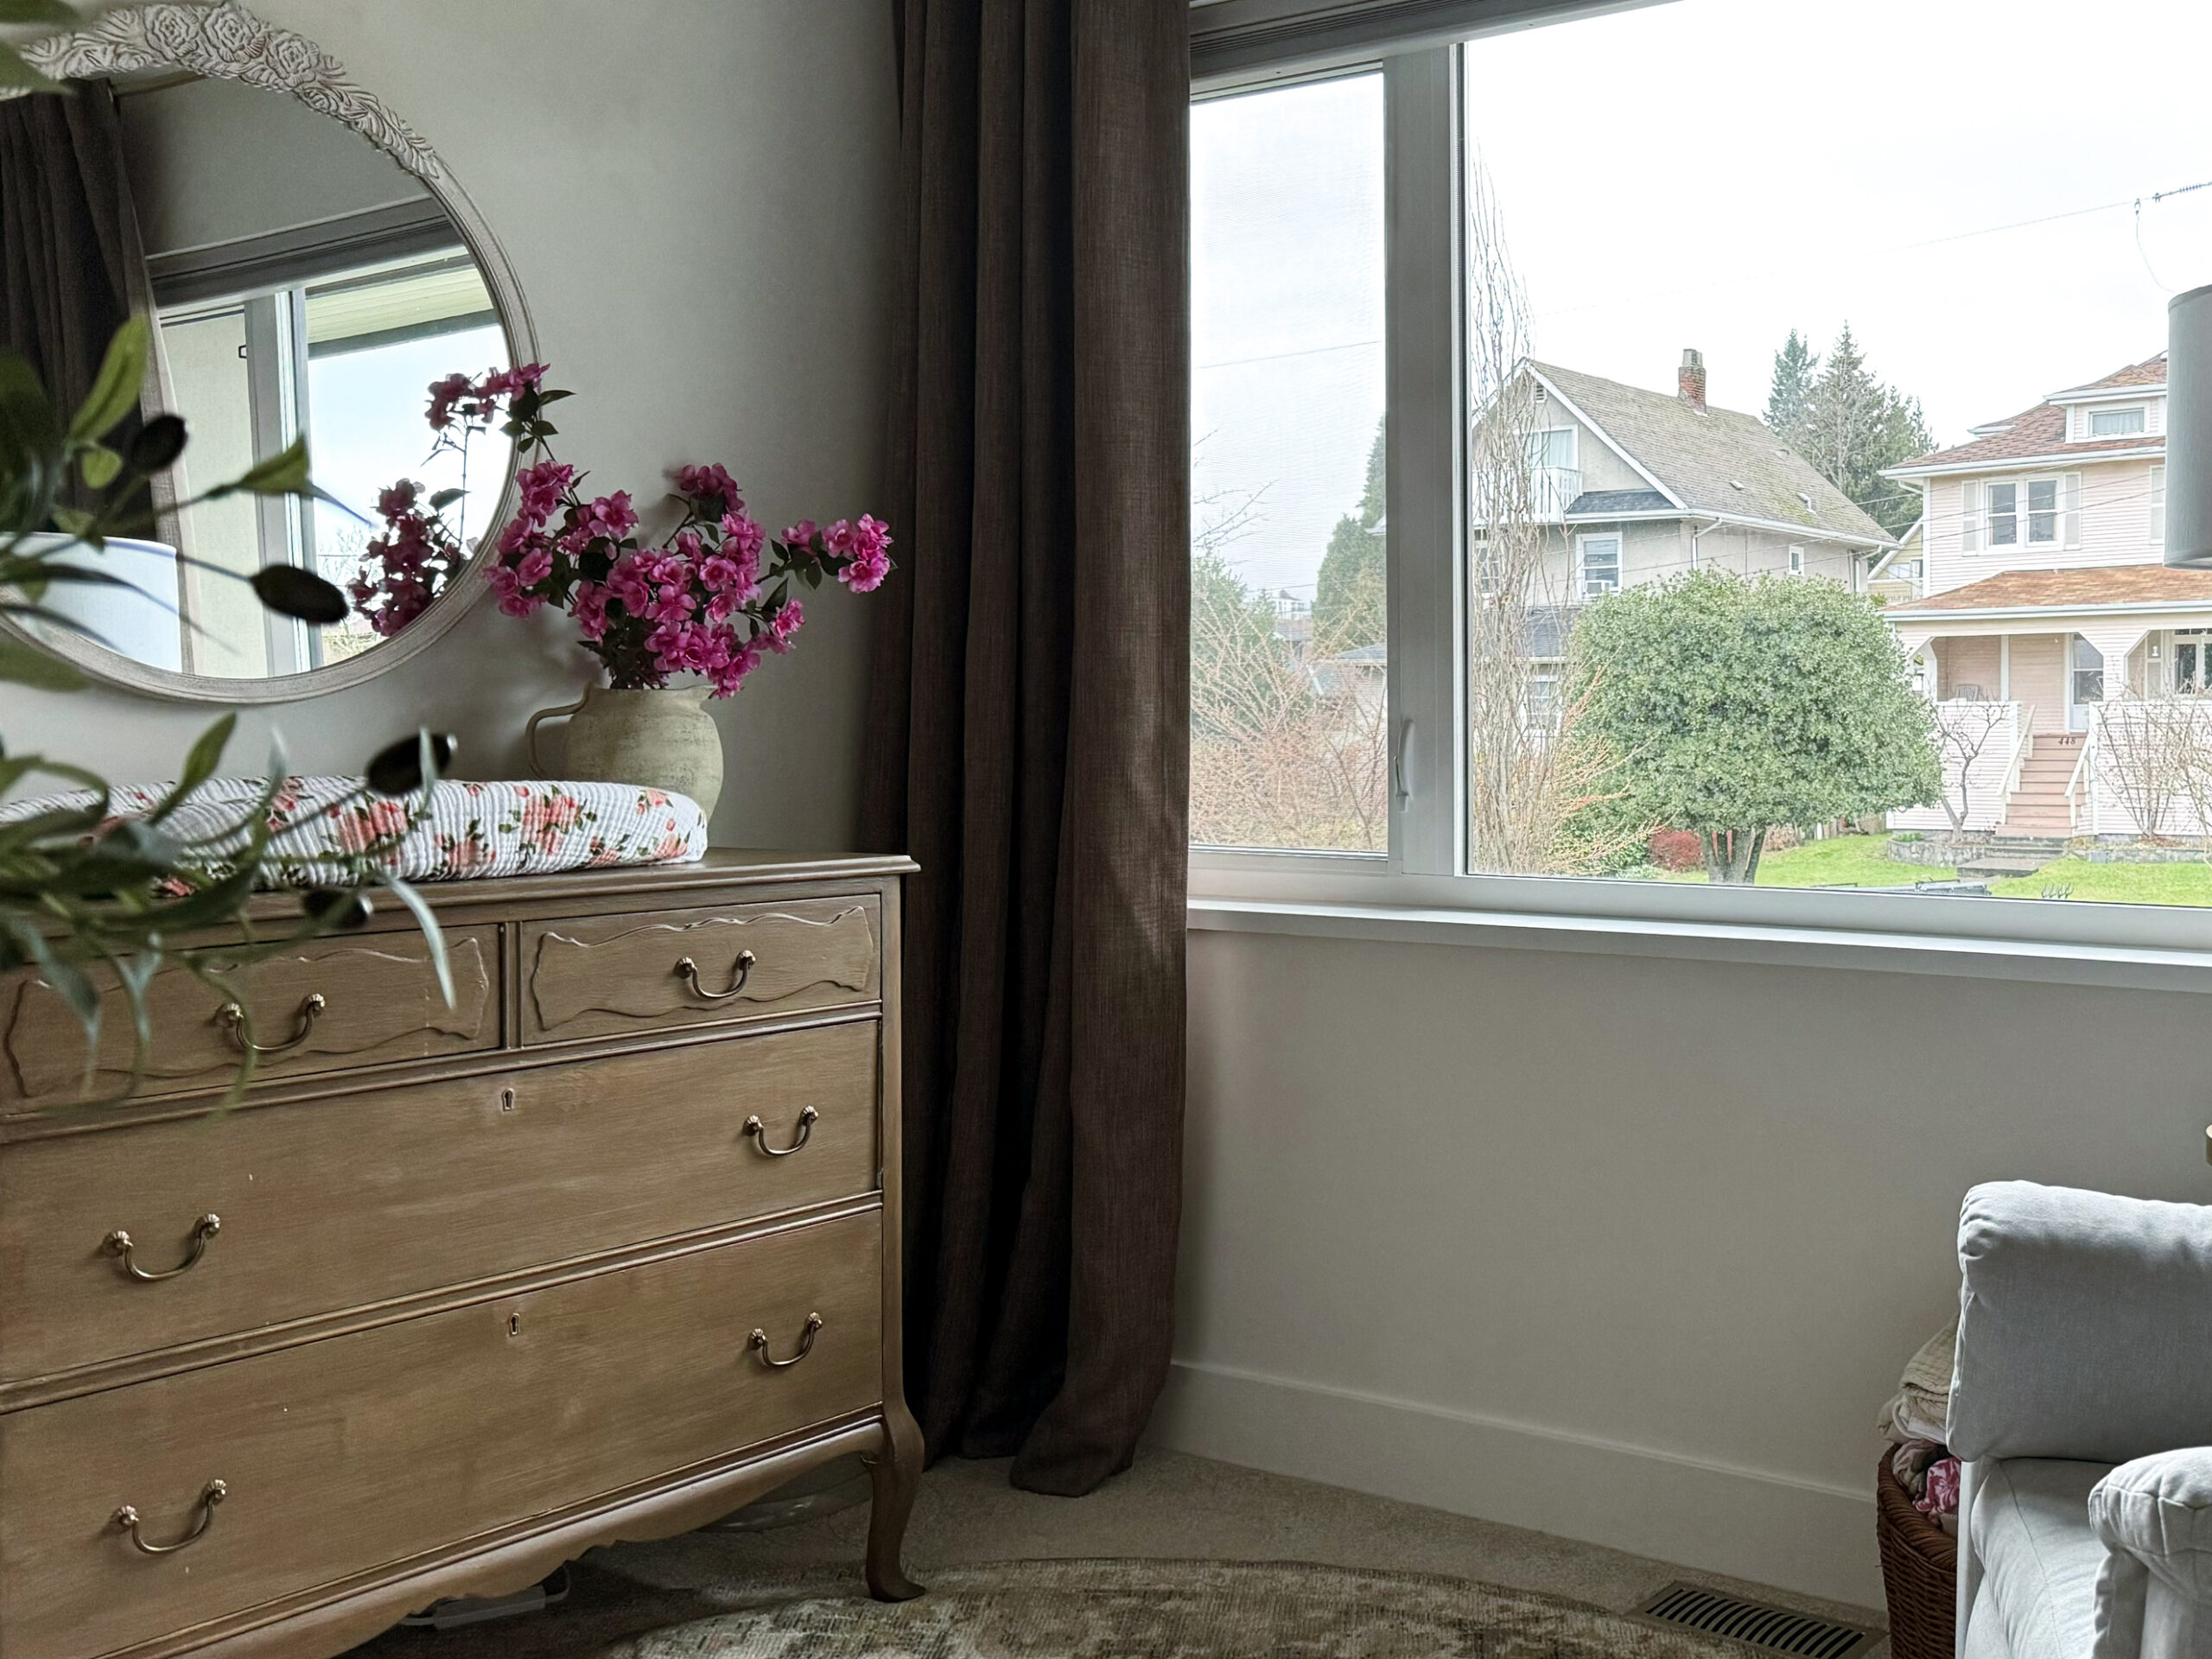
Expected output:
(2188, 428)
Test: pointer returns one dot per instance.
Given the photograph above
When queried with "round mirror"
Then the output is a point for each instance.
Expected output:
(310, 271)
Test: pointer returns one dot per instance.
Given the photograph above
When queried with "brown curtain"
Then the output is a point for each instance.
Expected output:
(1031, 737)
(71, 267)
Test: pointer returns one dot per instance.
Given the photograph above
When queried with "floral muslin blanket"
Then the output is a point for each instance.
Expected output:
(470, 829)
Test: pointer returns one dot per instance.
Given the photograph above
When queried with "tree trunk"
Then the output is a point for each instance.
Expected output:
(1733, 855)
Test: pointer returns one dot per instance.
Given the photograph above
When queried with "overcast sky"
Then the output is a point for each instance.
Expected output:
(1713, 172)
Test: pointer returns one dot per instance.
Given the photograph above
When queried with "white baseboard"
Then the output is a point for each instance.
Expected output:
(1746, 1524)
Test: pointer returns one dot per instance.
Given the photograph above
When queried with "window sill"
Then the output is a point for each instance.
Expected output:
(2031, 941)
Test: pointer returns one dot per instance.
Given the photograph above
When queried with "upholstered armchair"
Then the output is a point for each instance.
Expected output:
(2082, 1411)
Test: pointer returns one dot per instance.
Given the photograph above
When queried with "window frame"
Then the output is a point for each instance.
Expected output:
(2141, 428)
(1582, 539)
(1419, 889)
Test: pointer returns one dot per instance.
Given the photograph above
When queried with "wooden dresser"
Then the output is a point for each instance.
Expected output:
(603, 1250)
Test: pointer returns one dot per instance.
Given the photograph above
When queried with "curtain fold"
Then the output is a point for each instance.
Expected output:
(70, 266)
(1029, 742)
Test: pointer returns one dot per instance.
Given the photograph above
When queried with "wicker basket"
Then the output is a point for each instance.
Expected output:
(1920, 1571)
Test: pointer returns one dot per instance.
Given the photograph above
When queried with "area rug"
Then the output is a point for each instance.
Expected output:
(1104, 1610)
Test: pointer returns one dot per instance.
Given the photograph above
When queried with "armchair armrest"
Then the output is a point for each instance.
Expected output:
(2154, 1592)
(2083, 1327)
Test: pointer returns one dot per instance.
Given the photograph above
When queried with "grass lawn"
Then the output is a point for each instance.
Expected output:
(2120, 884)
(1860, 861)
(1841, 861)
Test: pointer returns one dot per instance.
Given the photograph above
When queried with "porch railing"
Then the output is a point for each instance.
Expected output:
(2083, 778)
(2023, 741)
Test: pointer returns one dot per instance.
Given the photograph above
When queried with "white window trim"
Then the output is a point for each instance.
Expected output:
(1582, 540)
(2090, 417)
(1796, 565)
(1417, 891)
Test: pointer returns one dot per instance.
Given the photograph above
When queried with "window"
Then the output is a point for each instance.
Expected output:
(2004, 515)
(1599, 557)
(328, 360)
(2043, 511)
(2192, 662)
(1289, 645)
(1546, 403)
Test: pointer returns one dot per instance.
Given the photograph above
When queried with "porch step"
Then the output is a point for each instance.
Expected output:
(2014, 844)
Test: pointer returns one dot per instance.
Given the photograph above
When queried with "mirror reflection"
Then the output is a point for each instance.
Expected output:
(303, 285)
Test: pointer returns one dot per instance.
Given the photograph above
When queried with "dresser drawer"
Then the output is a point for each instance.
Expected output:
(326, 1004)
(337, 1203)
(372, 1448)
(615, 975)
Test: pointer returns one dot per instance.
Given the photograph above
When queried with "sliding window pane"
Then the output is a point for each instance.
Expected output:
(1814, 508)
(1288, 649)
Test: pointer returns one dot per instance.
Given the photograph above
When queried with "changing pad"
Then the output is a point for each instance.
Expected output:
(471, 830)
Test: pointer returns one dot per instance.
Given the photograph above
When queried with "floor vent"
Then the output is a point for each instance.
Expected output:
(1775, 1629)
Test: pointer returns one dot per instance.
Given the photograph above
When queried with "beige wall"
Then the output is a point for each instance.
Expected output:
(1969, 661)
(1621, 1248)
(2038, 676)
(698, 200)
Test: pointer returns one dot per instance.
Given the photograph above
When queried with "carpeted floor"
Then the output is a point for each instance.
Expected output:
(972, 1533)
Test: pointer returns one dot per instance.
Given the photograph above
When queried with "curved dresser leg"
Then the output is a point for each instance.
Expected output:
(896, 1475)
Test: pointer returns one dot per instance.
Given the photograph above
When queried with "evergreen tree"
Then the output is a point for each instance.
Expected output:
(1795, 366)
(1851, 426)
(1351, 598)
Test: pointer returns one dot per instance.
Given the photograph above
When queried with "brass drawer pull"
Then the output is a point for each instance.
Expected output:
(741, 972)
(120, 1245)
(805, 1345)
(759, 1131)
(232, 1018)
(126, 1519)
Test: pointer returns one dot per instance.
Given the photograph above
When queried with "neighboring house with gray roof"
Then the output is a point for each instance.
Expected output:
(1644, 485)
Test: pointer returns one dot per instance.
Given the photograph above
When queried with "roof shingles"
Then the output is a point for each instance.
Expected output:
(2042, 430)
(2055, 590)
(1717, 461)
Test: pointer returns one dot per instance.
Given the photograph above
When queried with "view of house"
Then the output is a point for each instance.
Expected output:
(2042, 620)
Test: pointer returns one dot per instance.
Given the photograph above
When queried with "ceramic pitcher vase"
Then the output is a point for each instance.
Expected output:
(657, 740)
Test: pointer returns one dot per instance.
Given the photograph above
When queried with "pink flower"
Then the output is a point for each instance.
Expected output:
(543, 487)
(444, 394)
(611, 516)
(783, 625)
(396, 500)
(719, 572)
(504, 582)
(536, 566)
(588, 606)
(708, 485)
(863, 546)
(801, 534)
(748, 534)
(865, 575)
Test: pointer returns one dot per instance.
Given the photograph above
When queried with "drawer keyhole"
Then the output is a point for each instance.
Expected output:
(514, 1325)
(506, 1100)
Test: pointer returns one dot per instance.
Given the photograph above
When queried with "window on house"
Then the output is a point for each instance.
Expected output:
(2043, 511)
(1479, 292)
(2088, 672)
(2004, 517)
(2192, 662)
(1599, 557)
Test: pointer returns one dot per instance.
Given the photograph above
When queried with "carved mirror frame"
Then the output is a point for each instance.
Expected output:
(224, 41)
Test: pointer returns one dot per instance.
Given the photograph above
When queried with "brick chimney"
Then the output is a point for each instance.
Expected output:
(1689, 380)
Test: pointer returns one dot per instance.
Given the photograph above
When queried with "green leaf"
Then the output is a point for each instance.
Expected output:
(75, 520)
(99, 465)
(284, 475)
(115, 388)
(431, 937)
(199, 766)
(445, 499)
(289, 591)
(26, 664)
